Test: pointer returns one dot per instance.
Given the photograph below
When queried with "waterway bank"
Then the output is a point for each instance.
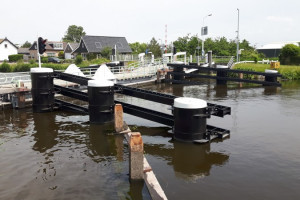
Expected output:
(288, 72)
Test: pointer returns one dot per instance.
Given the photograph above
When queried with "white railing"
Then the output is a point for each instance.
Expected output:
(8, 78)
(138, 69)
(124, 57)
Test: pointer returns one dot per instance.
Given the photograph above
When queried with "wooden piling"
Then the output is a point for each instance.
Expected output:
(136, 154)
(119, 124)
(139, 168)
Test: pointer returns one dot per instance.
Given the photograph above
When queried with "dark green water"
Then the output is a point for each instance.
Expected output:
(60, 156)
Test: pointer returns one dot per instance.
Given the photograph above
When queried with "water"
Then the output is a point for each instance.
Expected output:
(60, 156)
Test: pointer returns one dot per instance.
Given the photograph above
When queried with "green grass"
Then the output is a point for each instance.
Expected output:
(25, 67)
(290, 72)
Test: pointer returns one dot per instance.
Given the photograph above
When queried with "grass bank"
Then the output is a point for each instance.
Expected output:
(25, 67)
(289, 72)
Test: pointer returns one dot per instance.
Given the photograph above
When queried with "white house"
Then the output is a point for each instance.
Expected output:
(7, 48)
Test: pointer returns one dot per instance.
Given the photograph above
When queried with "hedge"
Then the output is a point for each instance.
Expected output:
(15, 57)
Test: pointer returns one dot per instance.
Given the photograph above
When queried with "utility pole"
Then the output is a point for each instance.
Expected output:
(237, 37)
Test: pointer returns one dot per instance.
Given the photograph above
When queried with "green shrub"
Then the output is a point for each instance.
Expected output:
(290, 55)
(91, 56)
(69, 61)
(56, 66)
(78, 59)
(22, 67)
(99, 61)
(32, 61)
(61, 55)
(15, 57)
(5, 67)
(106, 52)
(44, 59)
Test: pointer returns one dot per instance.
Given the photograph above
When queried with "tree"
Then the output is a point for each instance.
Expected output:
(106, 52)
(138, 47)
(154, 48)
(73, 34)
(290, 50)
(290, 54)
(26, 45)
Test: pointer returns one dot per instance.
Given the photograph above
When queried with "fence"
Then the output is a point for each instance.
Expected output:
(8, 78)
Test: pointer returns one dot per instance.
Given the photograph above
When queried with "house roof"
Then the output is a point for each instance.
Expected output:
(73, 45)
(278, 45)
(95, 44)
(5, 39)
(48, 46)
(23, 51)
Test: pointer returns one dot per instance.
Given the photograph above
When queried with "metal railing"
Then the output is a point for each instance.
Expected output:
(8, 78)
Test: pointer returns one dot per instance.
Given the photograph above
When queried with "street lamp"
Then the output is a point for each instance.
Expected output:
(204, 32)
(237, 37)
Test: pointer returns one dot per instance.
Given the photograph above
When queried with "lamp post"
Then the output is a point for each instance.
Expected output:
(237, 37)
(202, 34)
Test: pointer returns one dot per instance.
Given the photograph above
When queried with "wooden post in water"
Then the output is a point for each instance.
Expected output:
(136, 155)
(241, 76)
(119, 123)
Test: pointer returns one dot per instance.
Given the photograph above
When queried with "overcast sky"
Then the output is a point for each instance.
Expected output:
(261, 21)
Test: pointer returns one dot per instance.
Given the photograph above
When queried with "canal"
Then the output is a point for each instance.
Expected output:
(60, 156)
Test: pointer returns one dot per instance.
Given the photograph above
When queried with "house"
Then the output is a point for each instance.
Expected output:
(52, 49)
(69, 49)
(7, 48)
(95, 44)
(25, 53)
(273, 50)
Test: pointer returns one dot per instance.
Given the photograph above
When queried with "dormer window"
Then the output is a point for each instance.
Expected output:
(58, 46)
(98, 45)
(119, 45)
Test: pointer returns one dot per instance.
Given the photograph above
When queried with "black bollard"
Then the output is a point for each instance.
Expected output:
(178, 70)
(189, 119)
(101, 101)
(42, 89)
(222, 73)
(272, 79)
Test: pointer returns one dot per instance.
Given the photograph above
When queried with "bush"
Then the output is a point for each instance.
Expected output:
(106, 52)
(61, 55)
(91, 56)
(56, 66)
(22, 67)
(15, 57)
(5, 67)
(32, 61)
(78, 59)
(290, 55)
(44, 59)
(69, 61)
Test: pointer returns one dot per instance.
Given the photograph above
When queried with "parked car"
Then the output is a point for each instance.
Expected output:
(54, 60)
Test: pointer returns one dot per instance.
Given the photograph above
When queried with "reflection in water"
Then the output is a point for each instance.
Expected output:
(46, 131)
(189, 161)
(221, 91)
(102, 147)
(195, 161)
(271, 90)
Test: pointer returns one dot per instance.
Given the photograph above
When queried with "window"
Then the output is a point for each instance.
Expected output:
(51, 54)
(58, 46)
(98, 45)
(82, 45)
(83, 56)
(5, 45)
